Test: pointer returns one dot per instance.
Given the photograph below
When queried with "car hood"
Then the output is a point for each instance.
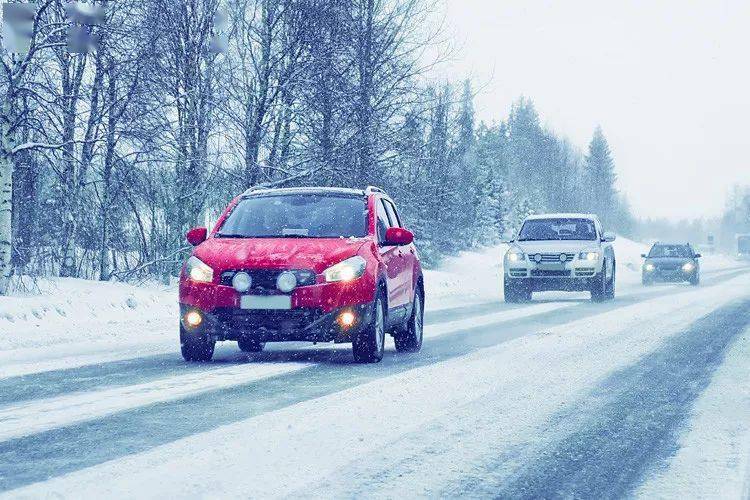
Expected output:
(564, 246)
(277, 253)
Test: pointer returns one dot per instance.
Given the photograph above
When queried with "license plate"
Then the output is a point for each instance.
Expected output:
(266, 302)
(552, 266)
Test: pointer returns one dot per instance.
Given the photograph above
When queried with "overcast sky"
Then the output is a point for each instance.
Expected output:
(668, 80)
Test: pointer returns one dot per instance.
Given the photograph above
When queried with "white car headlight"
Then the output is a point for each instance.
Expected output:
(347, 270)
(688, 267)
(590, 256)
(515, 256)
(649, 267)
(198, 270)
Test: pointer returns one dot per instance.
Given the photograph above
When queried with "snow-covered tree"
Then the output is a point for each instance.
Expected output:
(600, 177)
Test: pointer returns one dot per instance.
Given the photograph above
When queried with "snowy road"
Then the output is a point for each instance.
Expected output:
(560, 397)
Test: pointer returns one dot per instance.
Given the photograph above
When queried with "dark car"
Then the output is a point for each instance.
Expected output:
(668, 262)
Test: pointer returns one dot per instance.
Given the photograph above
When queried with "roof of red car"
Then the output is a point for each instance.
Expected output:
(308, 190)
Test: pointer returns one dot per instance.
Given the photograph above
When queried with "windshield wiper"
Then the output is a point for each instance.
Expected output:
(230, 235)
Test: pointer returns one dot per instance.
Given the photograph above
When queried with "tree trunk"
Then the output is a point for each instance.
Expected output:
(6, 190)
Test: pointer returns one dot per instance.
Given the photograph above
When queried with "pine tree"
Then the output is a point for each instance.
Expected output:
(600, 178)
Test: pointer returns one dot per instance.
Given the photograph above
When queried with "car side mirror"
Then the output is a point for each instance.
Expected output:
(197, 235)
(507, 237)
(398, 236)
(643, 255)
(698, 256)
(609, 237)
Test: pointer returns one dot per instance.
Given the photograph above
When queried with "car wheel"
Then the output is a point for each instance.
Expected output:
(610, 292)
(368, 344)
(411, 339)
(196, 347)
(250, 345)
(516, 293)
(647, 281)
(599, 287)
(695, 280)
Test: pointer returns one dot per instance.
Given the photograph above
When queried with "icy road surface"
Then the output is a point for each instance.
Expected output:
(648, 395)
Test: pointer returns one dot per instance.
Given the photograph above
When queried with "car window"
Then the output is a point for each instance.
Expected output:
(558, 229)
(382, 223)
(296, 216)
(392, 215)
(666, 251)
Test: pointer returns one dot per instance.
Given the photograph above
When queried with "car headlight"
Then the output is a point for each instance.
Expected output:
(515, 256)
(347, 270)
(198, 270)
(649, 267)
(688, 267)
(588, 256)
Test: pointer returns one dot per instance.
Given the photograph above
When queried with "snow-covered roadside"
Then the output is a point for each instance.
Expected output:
(519, 385)
(74, 322)
(44, 414)
(468, 277)
(68, 310)
(713, 460)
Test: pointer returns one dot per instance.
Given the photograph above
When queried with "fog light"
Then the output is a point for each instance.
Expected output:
(346, 319)
(193, 318)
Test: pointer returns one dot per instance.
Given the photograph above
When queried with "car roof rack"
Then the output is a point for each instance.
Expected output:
(374, 189)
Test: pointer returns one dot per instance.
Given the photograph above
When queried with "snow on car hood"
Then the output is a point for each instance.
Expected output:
(566, 246)
(277, 253)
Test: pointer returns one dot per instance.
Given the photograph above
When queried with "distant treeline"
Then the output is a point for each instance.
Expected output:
(114, 153)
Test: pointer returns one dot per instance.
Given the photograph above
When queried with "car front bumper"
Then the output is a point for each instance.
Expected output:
(576, 275)
(300, 324)
(668, 276)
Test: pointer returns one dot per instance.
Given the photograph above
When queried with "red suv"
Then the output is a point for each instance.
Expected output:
(303, 264)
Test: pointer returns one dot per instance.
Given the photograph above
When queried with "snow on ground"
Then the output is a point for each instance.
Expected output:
(489, 403)
(67, 310)
(714, 456)
(470, 276)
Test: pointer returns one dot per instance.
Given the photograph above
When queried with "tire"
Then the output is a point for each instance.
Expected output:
(647, 281)
(196, 347)
(599, 287)
(250, 345)
(369, 344)
(695, 280)
(411, 339)
(609, 294)
(516, 294)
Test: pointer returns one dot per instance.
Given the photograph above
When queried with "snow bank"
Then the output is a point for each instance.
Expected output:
(71, 310)
(629, 260)
(475, 276)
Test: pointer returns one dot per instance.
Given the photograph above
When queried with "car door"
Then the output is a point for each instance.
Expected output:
(392, 257)
(405, 254)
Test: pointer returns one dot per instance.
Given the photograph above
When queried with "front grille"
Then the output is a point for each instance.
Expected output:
(555, 257)
(293, 319)
(265, 279)
(543, 273)
(664, 267)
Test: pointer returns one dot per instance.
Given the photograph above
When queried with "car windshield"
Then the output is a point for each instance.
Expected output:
(677, 251)
(558, 229)
(296, 216)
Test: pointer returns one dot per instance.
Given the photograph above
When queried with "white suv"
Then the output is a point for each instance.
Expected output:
(567, 252)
